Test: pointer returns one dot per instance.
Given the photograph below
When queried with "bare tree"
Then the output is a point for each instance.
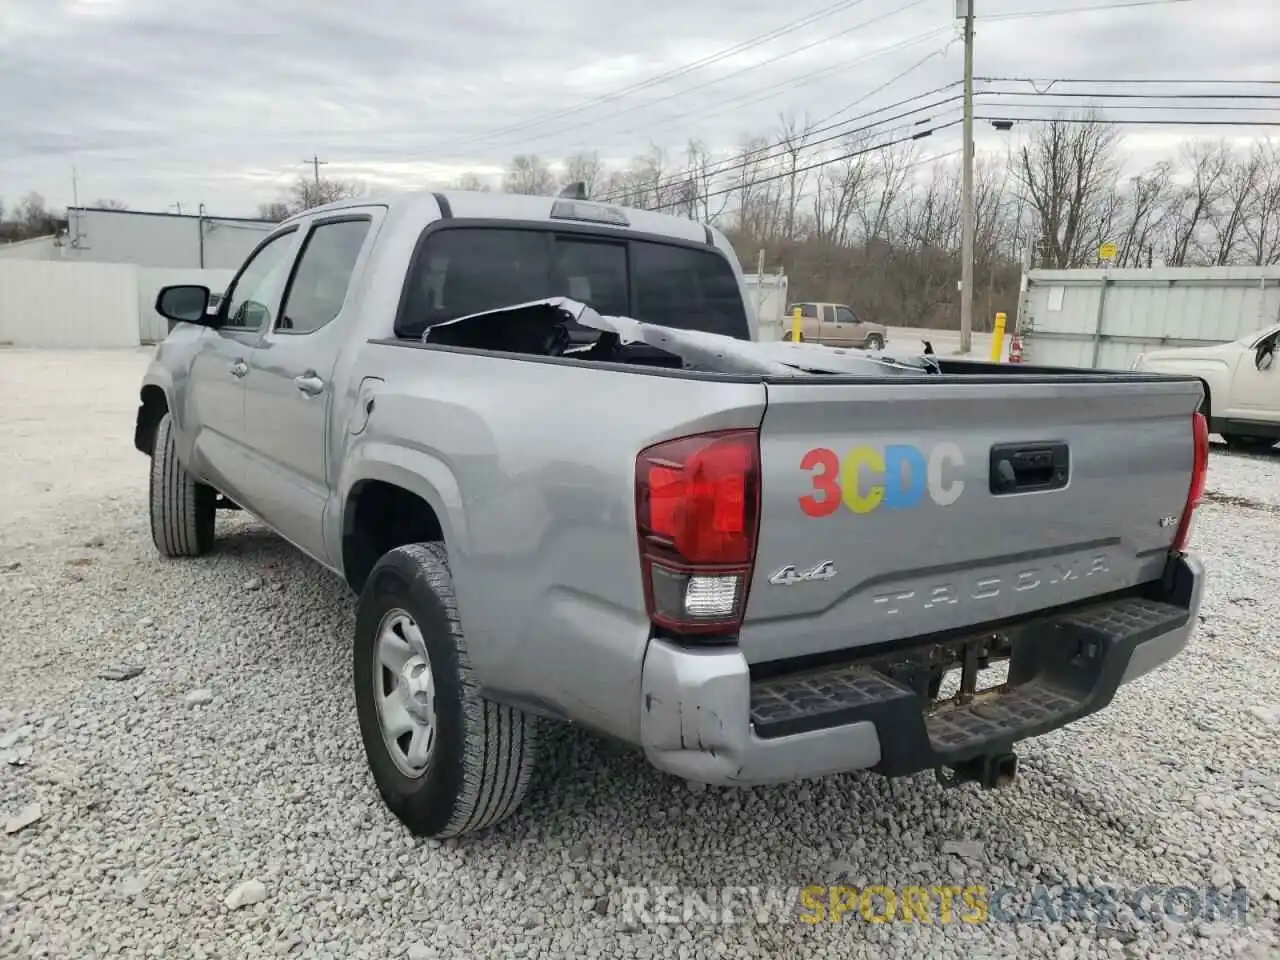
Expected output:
(305, 193)
(1262, 225)
(1229, 216)
(1143, 208)
(794, 136)
(529, 174)
(874, 205)
(838, 187)
(585, 168)
(276, 211)
(1067, 175)
(1195, 203)
(109, 204)
(471, 181)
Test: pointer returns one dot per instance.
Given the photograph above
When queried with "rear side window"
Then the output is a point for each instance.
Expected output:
(809, 311)
(688, 289)
(320, 283)
(464, 270)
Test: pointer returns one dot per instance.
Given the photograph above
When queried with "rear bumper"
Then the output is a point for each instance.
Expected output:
(705, 719)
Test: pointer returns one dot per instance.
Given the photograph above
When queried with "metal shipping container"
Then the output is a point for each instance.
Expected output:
(767, 298)
(1105, 318)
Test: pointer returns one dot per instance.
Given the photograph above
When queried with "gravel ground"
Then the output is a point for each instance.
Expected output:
(231, 766)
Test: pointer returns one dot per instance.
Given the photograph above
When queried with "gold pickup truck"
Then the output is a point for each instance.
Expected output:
(835, 325)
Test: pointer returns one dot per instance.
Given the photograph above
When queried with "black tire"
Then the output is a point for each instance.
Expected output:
(182, 508)
(1241, 442)
(483, 754)
(875, 342)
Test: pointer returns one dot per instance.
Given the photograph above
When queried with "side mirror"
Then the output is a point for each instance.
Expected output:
(185, 303)
(1265, 355)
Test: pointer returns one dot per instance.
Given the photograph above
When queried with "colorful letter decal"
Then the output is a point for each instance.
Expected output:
(868, 478)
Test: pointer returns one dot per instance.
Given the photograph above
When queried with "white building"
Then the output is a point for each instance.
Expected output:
(95, 283)
(171, 240)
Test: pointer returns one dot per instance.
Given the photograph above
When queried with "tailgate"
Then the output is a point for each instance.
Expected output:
(895, 510)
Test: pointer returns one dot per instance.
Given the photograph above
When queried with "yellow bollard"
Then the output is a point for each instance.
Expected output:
(795, 325)
(997, 338)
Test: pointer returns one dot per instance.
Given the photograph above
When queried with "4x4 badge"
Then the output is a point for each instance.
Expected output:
(789, 575)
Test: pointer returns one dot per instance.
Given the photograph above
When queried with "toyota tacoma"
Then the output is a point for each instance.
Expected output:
(537, 439)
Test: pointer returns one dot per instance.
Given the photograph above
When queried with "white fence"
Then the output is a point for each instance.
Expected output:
(1105, 318)
(53, 304)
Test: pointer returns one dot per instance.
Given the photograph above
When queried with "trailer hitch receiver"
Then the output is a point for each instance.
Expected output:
(989, 772)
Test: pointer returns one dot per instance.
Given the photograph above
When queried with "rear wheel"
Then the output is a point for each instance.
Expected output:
(445, 760)
(182, 508)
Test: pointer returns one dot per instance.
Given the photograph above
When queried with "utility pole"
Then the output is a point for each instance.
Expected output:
(316, 163)
(965, 8)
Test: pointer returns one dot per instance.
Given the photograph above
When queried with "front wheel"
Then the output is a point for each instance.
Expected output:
(182, 508)
(445, 760)
(875, 342)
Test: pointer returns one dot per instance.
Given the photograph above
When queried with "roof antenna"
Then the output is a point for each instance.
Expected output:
(577, 190)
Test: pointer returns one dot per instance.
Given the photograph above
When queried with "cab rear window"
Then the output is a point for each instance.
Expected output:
(464, 270)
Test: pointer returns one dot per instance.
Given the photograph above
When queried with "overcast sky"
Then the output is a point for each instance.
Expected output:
(157, 102)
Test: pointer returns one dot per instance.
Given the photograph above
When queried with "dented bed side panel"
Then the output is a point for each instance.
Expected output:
(534, 464)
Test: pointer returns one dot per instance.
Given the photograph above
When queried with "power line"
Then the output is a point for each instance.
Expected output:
(757, 156)
(1144, 96)
(754, 94)
(1060, 11)
(892, 80)
(1152, 122)
(1197, 107)
(821, 163)
(782, 148)
(672, 74)
(844, 126)
(827, 38)
(1144, 80)
(896, 135)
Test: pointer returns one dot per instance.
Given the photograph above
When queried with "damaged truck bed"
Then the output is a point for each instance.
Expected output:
(555, 327)
(538, 440)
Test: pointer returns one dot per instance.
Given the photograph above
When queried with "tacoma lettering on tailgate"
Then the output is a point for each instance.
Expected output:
(989, 587)
(867, 478)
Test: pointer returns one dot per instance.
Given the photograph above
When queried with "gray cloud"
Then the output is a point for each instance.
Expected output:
(156, 102)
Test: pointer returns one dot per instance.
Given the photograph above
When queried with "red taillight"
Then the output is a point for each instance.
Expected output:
(1199, 470)
(697, 513)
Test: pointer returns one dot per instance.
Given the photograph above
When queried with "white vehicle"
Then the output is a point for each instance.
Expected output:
(1242, 385)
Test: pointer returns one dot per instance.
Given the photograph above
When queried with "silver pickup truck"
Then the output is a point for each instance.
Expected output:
(537, 439)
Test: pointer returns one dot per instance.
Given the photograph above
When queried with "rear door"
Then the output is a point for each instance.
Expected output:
(289, 390)
(883, 493)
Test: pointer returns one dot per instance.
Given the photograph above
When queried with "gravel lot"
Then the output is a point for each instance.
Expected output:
(235, 757)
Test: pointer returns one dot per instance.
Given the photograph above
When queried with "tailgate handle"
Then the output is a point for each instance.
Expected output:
(1029, 467)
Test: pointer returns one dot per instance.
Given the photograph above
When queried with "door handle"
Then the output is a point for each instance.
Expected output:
(309, 384)
(239, 368)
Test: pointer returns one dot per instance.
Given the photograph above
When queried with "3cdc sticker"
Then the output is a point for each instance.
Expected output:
(895, 477)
